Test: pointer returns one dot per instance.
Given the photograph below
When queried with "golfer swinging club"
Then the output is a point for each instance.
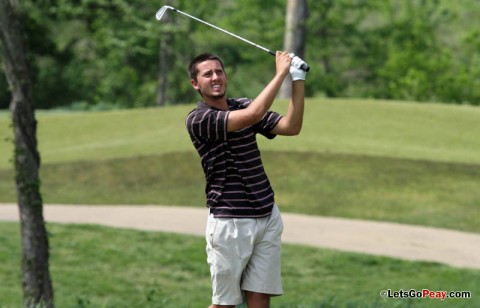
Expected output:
(244, 226)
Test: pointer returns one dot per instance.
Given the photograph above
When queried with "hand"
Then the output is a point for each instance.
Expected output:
(283, 62)
(295, 71)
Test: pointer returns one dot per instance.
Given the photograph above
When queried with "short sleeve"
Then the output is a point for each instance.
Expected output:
(207, 124)
(269, 121)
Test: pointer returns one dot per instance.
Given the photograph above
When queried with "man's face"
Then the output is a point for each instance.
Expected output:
(211, 80)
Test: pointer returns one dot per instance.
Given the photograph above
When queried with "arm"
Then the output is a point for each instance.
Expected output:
(291, 124)
(254, 113)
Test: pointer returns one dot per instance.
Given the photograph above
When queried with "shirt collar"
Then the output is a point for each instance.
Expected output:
(232, 103)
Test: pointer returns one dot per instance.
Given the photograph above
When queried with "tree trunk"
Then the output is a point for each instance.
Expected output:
(163, 72)
(164, 55)
(36, 282)
(294, 40)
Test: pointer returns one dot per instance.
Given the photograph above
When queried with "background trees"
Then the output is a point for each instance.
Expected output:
(294, 38)
(104, 54)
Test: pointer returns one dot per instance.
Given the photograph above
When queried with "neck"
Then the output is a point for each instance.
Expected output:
(217, 102)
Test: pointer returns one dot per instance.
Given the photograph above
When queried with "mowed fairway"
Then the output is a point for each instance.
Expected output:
(434, 132)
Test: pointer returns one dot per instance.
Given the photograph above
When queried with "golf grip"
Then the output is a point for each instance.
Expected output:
(304, 67)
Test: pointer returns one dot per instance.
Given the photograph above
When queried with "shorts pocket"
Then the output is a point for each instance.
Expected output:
(210, 232)
(275, 221)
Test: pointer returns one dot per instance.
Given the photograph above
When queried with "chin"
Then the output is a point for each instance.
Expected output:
(217, 96)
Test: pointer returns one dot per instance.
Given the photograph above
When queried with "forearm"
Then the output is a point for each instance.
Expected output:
(262, 103)
(291, 123)
(296, 107)
(257, 109)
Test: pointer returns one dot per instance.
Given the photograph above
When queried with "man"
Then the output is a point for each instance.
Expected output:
(244, 226)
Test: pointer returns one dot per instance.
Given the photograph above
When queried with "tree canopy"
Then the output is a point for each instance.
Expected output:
(105, 54)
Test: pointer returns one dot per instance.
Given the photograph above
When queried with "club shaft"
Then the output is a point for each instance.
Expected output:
(304, 67)
(227, 32)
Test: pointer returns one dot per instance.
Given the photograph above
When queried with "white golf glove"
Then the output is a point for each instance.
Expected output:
(295, 71)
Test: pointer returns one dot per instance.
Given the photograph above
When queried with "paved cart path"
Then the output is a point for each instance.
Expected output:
(455, 248)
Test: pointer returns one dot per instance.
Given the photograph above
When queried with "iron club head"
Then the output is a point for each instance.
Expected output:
(162, 11)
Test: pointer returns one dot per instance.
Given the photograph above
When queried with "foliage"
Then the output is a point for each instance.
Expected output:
(396, 50)
(100, 52)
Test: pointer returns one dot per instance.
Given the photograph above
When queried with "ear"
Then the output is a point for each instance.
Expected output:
(194, 84)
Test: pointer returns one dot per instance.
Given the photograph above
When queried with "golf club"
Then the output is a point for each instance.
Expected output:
(164, 8)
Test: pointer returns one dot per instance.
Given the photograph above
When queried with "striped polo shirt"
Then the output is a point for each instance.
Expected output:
(236, 183)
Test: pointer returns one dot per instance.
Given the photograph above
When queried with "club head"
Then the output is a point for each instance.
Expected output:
(162, 11)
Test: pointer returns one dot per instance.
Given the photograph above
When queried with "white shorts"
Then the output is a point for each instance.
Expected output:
(244, 255)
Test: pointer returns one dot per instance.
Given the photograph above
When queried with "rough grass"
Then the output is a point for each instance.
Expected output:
(94, 266)
(399, 190)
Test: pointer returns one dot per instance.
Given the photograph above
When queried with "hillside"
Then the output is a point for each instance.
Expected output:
(401, 162)
(433, 132)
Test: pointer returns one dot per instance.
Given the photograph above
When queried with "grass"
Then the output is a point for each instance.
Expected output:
(96, 266)
(402, 162)
(435, 132)
(387, 189)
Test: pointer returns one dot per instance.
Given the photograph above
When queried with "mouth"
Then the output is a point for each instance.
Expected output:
(217, 88)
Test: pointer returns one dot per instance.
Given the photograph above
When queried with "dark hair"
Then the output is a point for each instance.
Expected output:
(192, 67)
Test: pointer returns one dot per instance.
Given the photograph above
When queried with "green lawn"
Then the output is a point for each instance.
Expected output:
(403, 162)
(435, 132)
(390, 161)
(368, 187)
(94, 266)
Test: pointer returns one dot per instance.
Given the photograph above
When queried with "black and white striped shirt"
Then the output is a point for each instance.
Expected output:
(237, 185)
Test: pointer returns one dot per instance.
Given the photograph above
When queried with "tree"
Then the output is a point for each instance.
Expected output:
(37, 285)
(106, 54)
(165, 41)
(294, 40)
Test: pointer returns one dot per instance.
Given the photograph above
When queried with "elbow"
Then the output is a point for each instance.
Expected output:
(289, 129)
(293, 131)
(296, 131)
